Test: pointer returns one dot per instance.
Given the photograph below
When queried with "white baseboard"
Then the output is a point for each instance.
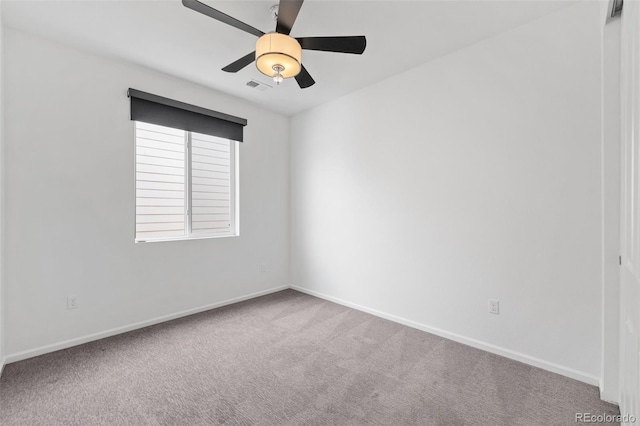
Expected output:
(507, 353)
(19, 356)
(536, 362)
(3, 361)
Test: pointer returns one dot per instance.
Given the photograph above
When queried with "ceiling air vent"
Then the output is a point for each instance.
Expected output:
(258, 85)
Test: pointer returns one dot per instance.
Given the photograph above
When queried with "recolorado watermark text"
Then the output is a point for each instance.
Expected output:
(605, 418)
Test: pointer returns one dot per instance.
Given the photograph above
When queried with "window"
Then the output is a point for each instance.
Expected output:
(185, 184)
(186, 169)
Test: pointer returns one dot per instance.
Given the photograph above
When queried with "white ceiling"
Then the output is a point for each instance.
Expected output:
(166, 36)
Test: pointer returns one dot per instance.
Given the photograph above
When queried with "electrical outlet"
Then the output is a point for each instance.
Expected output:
(72, 302)
(494, 307)
(263, 267)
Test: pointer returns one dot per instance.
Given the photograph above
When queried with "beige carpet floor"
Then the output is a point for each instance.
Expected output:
(286, 359)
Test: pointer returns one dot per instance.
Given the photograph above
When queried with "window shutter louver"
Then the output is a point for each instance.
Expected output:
(160, 182)
(212, 180)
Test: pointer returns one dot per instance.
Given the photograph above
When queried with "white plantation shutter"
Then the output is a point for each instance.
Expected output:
(212, 181)
(161, 194)
(184, 184)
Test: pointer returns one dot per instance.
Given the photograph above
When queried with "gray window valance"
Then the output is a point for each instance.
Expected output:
(155, 109)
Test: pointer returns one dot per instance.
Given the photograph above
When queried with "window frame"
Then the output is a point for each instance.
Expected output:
(234, 229)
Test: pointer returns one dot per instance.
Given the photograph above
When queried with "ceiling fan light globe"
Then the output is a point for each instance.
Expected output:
(275, 49)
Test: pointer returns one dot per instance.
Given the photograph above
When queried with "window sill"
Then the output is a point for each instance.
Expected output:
(206, 237)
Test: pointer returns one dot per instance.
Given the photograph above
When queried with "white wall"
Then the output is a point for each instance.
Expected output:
(475, 176)
(70, 202)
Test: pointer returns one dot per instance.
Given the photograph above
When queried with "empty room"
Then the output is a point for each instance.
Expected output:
(320, 212)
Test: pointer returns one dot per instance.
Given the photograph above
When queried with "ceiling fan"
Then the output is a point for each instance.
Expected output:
(277, 54)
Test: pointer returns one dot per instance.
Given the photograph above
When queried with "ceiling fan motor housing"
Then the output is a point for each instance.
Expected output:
(275, 50)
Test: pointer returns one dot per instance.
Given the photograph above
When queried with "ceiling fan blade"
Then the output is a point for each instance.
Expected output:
(348, 44)
(304, 79)
(287, 14)
(222, 17)
(240, 63)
